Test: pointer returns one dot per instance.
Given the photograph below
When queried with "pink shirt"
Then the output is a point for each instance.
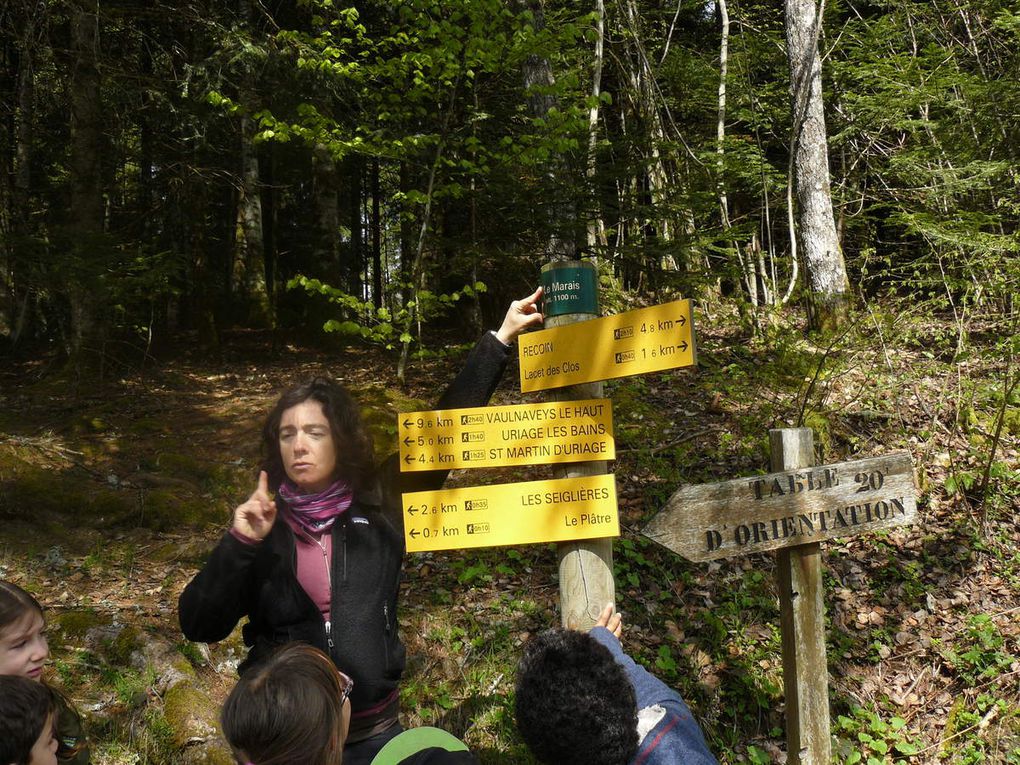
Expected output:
(314, 563)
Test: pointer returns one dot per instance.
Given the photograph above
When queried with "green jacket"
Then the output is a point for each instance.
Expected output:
(72, 744)
(424, 746)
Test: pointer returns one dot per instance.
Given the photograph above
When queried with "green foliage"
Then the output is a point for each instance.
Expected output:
(979, 654)
(863, 736)
(966, 739)
(381, 325)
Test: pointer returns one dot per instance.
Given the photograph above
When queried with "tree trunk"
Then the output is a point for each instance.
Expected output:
(823, 258)
(377, 266)
(538, 77)
(644, 88)
(596, 223)
(326, 202)
(746, 264)
(16, 110)
(85, 215)
(251, 248)
(354, 169)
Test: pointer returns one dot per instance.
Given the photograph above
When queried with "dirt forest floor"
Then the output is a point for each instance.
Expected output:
(112, 494)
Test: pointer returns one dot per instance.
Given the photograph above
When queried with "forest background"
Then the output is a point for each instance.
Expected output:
(246, 180)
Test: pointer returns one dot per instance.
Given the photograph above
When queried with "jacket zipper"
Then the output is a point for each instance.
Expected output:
(343, 546)
(327, 624)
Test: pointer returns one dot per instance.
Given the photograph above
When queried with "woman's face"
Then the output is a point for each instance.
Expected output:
(44, 752)
(307, 447)
(23, 647)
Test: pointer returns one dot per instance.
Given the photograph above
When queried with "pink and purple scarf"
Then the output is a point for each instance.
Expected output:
(315, 513)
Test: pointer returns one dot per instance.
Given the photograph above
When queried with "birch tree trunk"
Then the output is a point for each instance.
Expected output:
(644, 88)
(823, 258)
(596, 223)
(746, 264)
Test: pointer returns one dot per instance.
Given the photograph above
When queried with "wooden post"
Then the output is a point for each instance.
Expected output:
(802, 618)
(586, 567)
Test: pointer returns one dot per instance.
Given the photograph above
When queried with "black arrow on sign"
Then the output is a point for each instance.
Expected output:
(683, 345)
(408, 441)
(412, 509)
(682, 320)
(409, 459)
(414, 533)
(408, 423)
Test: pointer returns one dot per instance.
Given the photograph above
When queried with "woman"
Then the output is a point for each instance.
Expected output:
(321, 564)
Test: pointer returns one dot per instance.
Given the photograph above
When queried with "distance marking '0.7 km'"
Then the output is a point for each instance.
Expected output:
(558, 510)
(768, 512)
(630, 343)
(499, 436)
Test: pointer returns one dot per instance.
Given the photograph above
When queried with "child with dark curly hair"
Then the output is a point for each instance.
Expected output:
(582, 701)
(27, 736)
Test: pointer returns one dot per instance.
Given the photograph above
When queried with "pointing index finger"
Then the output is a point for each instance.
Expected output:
(263, 487)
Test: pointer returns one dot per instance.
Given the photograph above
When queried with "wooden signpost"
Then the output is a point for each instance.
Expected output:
(791, 510)
(634, 342)
(557, 510)
(788, 508)
(574, 432)
(502, 436)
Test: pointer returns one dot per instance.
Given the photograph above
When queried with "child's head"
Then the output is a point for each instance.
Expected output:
(574, 703)
(23, 647)
(27, 736)
(290, 710)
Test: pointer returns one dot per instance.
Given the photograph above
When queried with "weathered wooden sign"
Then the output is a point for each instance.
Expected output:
(634, 342)
(790, 508)
(558, 510)
(524, 434)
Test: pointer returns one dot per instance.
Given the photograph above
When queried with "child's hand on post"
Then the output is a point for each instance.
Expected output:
(611, 621)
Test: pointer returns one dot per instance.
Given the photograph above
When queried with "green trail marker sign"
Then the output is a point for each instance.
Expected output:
(569, 286)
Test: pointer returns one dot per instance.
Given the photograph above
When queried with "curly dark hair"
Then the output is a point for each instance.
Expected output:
(355, 452)
(575, 704)
(25, 706)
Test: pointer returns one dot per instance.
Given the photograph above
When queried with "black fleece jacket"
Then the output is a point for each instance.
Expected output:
(259, 581)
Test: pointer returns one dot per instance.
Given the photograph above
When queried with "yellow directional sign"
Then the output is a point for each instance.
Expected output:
(491, 436)
(630, 343)
(560, 510)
